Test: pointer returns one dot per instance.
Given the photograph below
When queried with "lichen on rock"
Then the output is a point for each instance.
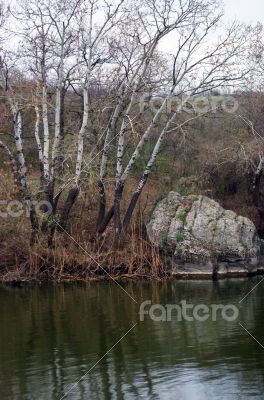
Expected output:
(197, 230)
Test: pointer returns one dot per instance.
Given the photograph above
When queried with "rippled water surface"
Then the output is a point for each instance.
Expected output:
(52, 337)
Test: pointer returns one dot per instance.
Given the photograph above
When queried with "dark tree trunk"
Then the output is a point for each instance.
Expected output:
(51, 233)
(69, 202)
(117, 210)
(130, 210)
(108, 216)
(133, 202)
(102, 204)
(114, 211)
(52, 225)
(47, 187)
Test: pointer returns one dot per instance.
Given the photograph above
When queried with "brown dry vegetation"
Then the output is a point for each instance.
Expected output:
(78, 254)
(215, 156)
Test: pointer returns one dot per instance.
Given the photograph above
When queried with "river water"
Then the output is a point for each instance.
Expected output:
(63, 342)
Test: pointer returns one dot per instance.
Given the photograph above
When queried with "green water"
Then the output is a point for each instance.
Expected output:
(51, 337)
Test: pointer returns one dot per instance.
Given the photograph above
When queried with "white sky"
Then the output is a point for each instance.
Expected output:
(249, 11)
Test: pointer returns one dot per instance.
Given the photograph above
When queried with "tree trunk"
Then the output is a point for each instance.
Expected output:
(69, 202)
(62, 125)
(134, 200)
(130, 210)
(102, 204)
(106, 221)
(117, 211)
(34, 224)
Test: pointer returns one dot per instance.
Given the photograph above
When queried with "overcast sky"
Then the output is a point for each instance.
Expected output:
(249, 11)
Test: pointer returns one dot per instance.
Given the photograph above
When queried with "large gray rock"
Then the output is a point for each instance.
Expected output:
(197, 230)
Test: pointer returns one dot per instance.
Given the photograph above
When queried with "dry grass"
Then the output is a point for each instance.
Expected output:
(79, 259)
(79, 254)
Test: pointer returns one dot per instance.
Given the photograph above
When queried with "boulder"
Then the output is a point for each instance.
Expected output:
(204, 238)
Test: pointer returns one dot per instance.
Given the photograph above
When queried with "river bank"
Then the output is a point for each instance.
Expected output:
(121, 273)
(151, 251)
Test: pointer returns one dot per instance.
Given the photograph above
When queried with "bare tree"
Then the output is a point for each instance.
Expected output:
(72, 46)
(90, 44)
(196, 67)
(19, 167)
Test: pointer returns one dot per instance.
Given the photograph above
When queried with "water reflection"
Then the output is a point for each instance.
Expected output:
(51, 336)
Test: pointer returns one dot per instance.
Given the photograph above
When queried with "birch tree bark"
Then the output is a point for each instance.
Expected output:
(21, 169)
(82, 45)
(89, 47)
(192, 73)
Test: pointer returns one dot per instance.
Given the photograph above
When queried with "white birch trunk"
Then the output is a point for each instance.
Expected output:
(86, 87)
(38, 141)
(19, 148)
(125, 122)
(46, 135)
(57, 135)
(114, 119)
(143, 140)
(258, 173)
(22, 170)
(109, 138)
(82, 134)
(121, 145)
(58, 105)
(158, 145)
